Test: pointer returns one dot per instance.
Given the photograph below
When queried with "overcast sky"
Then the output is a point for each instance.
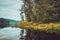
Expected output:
(10, 9)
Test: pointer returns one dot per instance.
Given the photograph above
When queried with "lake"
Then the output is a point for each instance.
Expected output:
(10, 33)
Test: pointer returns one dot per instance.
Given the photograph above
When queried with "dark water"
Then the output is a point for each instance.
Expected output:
(10, 33)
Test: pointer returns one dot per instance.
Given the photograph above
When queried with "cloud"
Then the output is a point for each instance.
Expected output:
(10, 9)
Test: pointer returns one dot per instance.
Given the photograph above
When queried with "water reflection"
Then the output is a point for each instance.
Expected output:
(22, 34)
(10, 33)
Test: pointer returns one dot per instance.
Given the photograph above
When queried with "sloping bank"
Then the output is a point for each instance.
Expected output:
(39, 31)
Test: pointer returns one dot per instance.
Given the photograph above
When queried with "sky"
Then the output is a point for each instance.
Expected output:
(10, 9)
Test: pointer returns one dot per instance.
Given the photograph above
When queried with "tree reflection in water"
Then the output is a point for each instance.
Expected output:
(22, 34)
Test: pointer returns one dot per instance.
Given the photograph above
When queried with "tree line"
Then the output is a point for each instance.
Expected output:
(41, 10)
(4, 23)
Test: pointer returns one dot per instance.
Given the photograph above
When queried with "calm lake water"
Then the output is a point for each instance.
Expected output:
(10, 33)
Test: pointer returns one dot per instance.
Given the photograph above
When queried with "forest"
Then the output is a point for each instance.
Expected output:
(42, 19)
(41, 10)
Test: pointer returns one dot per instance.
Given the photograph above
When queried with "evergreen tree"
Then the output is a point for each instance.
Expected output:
(42, 10)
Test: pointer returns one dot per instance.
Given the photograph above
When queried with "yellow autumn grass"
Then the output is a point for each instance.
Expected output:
(49, 27)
